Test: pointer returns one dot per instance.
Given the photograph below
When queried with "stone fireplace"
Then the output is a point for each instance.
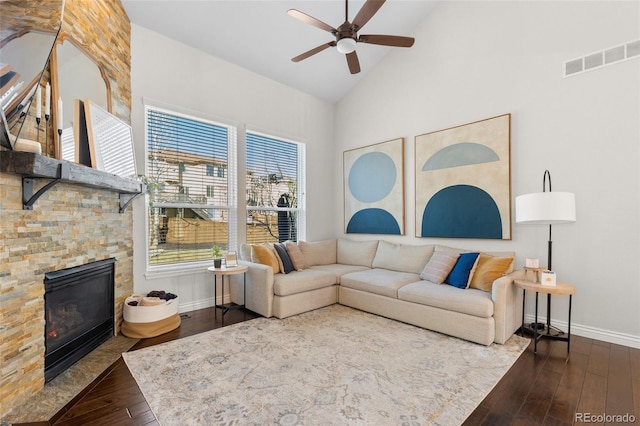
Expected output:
(69, 226)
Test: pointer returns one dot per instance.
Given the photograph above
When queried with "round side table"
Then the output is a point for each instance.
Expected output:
(547, 331)
(226, 272)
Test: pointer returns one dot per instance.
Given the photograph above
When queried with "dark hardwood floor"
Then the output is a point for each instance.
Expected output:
(598, 378)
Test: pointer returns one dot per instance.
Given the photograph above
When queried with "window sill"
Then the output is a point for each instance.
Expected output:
(177, 270)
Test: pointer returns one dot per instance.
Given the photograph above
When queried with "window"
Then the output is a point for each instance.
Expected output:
(275, 189)
(186, 216)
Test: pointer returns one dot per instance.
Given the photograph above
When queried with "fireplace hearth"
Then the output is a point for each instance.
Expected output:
(79, 313)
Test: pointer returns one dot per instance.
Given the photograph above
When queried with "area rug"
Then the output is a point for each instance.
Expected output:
(332, 366)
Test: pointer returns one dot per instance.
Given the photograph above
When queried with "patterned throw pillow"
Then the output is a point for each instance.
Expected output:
(297, 258)
(489, 269)
(460, 275)
(287, 265)
(264, 255)
(439, 266)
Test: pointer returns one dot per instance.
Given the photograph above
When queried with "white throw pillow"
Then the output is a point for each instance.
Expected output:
(439, 266)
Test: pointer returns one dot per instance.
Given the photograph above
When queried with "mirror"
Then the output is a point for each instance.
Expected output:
(26, 41)
(79, 77)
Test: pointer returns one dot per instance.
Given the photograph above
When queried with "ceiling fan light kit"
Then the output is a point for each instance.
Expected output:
(346, 45)
(347, 34)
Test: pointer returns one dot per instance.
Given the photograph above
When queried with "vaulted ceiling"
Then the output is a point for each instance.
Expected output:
(259, 35)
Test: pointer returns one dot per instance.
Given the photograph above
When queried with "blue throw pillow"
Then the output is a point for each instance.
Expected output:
(460, 275)
(284, 257)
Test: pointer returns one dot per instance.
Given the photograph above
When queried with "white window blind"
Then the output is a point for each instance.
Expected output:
(275, 191)
(191, 195)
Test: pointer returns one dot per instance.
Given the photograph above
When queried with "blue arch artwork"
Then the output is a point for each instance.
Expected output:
(462, 211)
(373, 221)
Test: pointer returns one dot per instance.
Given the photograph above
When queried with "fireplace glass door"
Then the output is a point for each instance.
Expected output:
(79, 313)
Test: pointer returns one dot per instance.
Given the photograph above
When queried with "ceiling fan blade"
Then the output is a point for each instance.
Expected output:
(308, 19)
(353, 62)
(313, 51)
(366, 12)
(387, 40)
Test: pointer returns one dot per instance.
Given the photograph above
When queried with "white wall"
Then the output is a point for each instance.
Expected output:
(187, 80)
(475, 60)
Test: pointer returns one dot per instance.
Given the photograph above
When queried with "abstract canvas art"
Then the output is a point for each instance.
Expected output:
(463, 181)
(374, 189)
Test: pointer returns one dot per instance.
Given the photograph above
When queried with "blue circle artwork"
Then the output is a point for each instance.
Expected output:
(372, 177)
(461, 211)
(373, 221)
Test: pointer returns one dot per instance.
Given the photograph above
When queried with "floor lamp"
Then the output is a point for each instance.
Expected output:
(546, 208)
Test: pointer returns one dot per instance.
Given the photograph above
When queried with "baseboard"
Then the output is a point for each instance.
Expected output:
(202, 303)
(594, 333)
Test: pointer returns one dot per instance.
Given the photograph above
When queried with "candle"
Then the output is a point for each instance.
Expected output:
(39, 101)
(59, 112)
(47, 101)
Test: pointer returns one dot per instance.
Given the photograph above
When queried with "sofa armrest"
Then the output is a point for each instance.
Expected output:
(259, 288)
(507, 306)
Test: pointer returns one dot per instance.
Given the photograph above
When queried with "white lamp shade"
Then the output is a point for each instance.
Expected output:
(547, 208)
(346, 45)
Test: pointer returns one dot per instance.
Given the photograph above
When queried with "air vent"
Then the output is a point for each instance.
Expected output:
(623, 52)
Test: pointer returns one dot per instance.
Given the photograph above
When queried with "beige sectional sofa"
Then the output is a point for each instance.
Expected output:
(383, 278)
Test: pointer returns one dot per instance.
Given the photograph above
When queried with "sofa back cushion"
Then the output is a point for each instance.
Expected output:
(319, 252)
(402, 257)
(360, 253)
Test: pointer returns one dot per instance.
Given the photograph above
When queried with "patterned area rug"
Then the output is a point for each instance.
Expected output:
(332, 366)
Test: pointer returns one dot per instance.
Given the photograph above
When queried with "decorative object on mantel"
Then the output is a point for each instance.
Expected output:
(463, 181)
(374, 189)
(110, 141)
(546, 208)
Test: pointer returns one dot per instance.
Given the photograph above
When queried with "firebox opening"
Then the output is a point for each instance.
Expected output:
(79, 313)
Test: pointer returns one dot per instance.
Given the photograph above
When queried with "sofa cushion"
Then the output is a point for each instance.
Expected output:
(379, 281)
(285, 260)
(245, 252)
(460, 275)
(470, 301)
(319, 252)
(339, 269)
(356, 252)
(439, 266)
(489, 269)
(297, 258)
(301, 281)
(402, 257)
(264, 255)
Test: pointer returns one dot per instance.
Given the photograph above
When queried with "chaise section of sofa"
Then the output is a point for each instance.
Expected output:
(385, 279)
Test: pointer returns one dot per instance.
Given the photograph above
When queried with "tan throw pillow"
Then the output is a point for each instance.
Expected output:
(264, 255)
(489, 269)
(297, 258)
(439, 266)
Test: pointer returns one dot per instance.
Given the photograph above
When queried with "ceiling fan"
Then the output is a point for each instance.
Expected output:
(347, 34)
